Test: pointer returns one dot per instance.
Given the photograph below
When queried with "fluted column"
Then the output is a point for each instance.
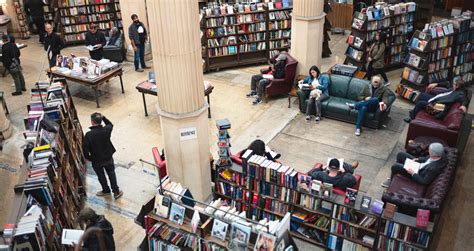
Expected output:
(176, 49)
(127, 8)
(307, 33)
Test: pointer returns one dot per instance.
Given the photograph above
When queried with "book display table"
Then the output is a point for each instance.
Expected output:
(92, 83)
(150, 88)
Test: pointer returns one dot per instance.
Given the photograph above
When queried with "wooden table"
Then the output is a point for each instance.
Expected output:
(144, 90)
(93, 83)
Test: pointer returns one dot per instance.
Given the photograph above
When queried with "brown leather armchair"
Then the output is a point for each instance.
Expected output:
(282, 85)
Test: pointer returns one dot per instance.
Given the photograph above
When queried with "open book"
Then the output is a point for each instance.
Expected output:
(70, 236)
(92, 47)
(411, 164)
(267, 76)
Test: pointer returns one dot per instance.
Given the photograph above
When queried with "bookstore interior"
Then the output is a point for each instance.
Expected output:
(276, 165)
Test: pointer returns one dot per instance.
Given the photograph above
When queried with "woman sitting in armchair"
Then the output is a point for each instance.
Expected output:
(319, 92)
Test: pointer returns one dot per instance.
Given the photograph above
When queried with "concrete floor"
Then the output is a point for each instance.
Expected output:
(300, 143)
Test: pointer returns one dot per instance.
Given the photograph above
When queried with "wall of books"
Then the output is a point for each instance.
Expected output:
(244, 33)
(441, 52)
(395, 20)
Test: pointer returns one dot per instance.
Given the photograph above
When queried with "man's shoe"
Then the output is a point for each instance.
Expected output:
(102, 194)
(257, 101)
(17, 93)
(386, 183)
(146, 67)
(251, 94)
(118, 195)
(317, 119)
(357, 132)
(139, 70)
(23, 90)
(308, 118)
(355, 164)
(351, 106)
(407, 119)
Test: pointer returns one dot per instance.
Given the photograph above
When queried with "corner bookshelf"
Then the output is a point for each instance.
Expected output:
(244, 33)
(22, 21)
(464, 48)
(75, 17)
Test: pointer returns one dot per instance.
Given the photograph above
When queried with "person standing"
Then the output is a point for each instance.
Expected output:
(34, 9)
(99, 150)
(99, 232)
(97, 39)
(138, 36)
(54, 42)
(11, 61)
(376, 57)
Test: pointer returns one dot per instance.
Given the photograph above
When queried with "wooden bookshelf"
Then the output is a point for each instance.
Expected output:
(243, 34)
(74, 18)
(22, 20)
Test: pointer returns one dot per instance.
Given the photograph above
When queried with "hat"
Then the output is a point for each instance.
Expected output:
(87, 213)
(437, 149)
(334, 164)
(281, 57)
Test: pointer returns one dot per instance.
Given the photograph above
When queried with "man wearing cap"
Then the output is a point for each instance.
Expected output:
(96, 39)
(276, 70)
(93, 221)
(334, 174)
(430, 167)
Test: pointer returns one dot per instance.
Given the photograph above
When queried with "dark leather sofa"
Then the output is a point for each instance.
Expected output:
(344, 89)
(279, 86)
(410, 196)
(115, 53)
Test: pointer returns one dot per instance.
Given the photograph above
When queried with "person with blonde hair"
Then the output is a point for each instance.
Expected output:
(370, 98)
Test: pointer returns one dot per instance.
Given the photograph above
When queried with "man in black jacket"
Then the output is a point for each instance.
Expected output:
(97, 39)
(333, 174)
(34, 9)
(276, 70)
(448, 98)
(11, 61)
(98, 149)
(430, 167)
(54, 42)
(99, 231)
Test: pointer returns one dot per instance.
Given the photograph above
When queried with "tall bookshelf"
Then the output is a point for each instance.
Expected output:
(75, 18)
(326, 52)
(48, 9)
(244, 33)
(395, 20)
(22, 21)
(463, 65)
(55, 176)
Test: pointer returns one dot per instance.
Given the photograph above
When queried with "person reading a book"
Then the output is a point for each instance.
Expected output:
(373, 97)
(95, 40)
(318, 87)
(115, 38)
(54, 43)
(441, 103)
(99, 232)
(421, 170)
(276, 70)
(99, 150)
(376, 57)
(335, 174)
(258, 147)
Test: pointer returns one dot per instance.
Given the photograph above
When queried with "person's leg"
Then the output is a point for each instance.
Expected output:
(402, 156)
(311, 107)
(261, 87)
(39, 23)
(348, 167)
(22, 80)
(17, 80)
(136, 58)
(362, 107)
(253, 82)
(384, 76)
(141, 49)
(370, 71)
(52, 62)
(110, 169)
(397, 168)
(420, 105)
(321, 98)
(99, 170)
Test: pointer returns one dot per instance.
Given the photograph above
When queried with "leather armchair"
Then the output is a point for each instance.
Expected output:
(448, 129)
(282, 85)
(409, 196)
(115, 53)
(160, 162)
(338, 190)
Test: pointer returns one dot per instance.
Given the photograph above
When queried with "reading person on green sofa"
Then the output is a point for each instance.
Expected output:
(334, 174)
(318, 87)
(373, 96)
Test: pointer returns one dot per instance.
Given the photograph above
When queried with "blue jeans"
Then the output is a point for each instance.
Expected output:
(139, 57)
(364, 106)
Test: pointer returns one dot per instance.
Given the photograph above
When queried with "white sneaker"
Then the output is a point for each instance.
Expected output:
(357, 132)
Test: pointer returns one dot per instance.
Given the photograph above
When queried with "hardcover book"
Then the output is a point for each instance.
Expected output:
(162, 205)
(365, 203)
(351, 195)
(177, 214)
(265, 241)
(389, 210)
(219, 229)
(239, 236)
(422, 218)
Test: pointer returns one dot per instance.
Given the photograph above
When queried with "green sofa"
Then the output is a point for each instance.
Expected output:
(344, 89)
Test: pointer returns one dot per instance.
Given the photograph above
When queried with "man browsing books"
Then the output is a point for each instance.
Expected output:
(54, 43)
(98, 149)
(95, 40)
(99, 232)
(422, 170)
(334, 174)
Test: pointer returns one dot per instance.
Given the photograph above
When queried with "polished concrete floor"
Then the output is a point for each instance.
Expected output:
(301, 143)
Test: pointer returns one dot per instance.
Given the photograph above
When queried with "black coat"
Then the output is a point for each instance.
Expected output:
(279, 71)
(55, 43)
(428, 173)
(9, 52)
(93, 39)
(458, 96)
(97, 146)
(34, 8)
(92, 243)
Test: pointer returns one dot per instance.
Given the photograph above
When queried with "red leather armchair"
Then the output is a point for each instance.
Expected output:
(447, 129)
(161, 163)
(282, 85)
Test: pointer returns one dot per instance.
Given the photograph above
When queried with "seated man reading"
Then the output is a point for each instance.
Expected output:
(447, 99)
(332, 174)
(421, 170)
(276, 70)
(115, 39)
(258, 147)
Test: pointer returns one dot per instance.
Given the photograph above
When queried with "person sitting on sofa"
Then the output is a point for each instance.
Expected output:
(452, 96)
(319, 92)
(430, 166)
(332, 174)
(115, 38)
(276, 70)
(258, 147)
(370, 98)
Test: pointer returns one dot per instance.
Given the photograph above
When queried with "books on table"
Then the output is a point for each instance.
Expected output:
(411, 164)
